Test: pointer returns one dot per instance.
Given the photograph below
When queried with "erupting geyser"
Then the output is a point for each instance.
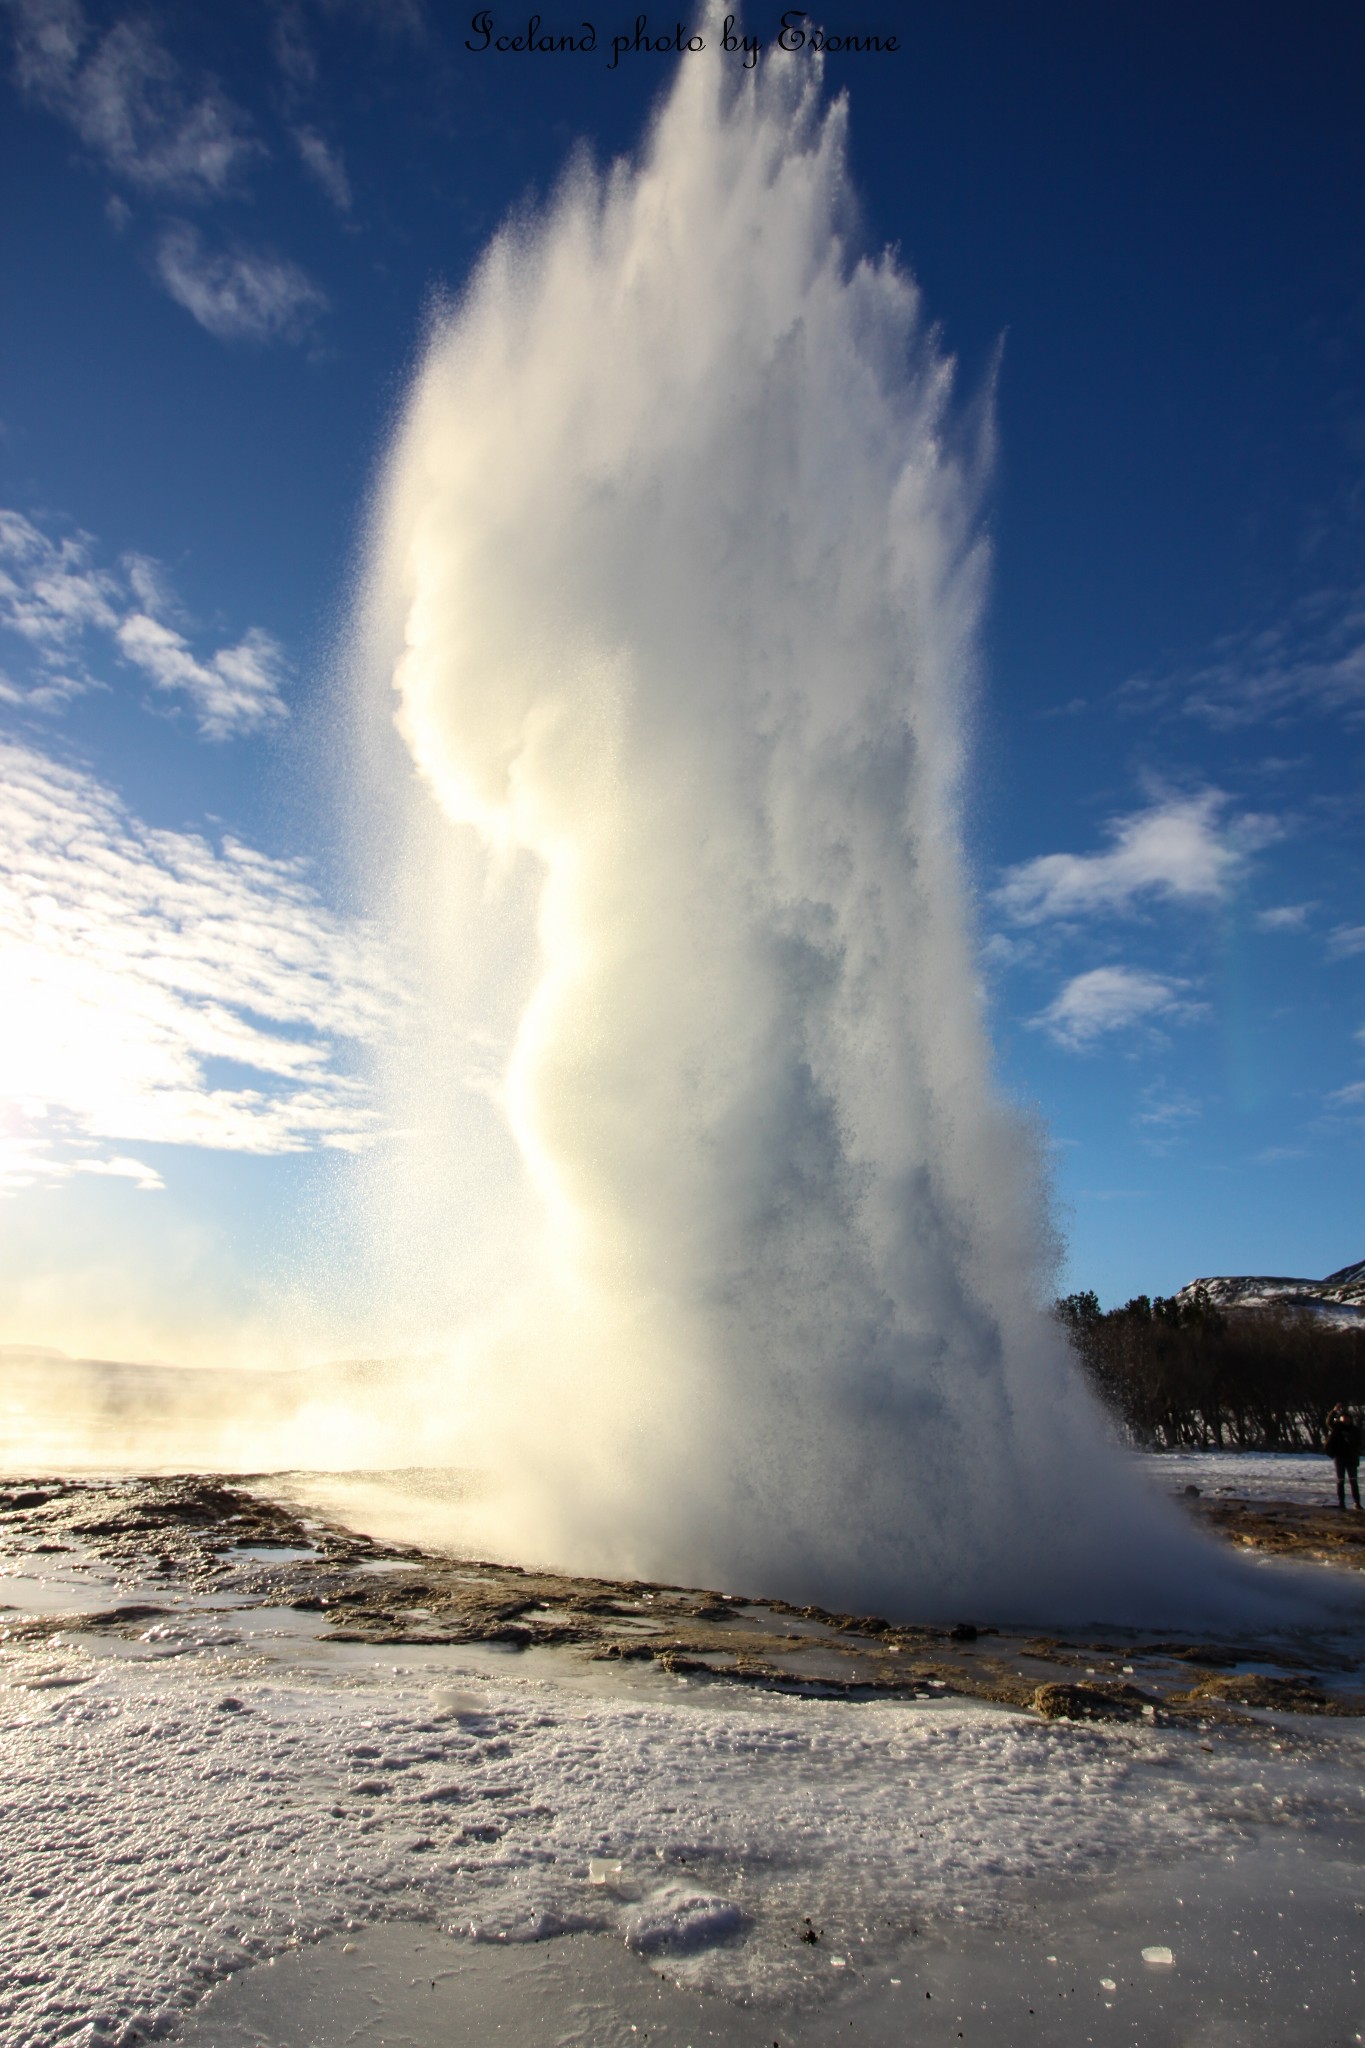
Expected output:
(677, 577)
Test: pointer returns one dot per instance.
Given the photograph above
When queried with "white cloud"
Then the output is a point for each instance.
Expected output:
(1346, 940)
(128, 101)
(51, 596)
(1285, 917)
(145, 1178)
(1348, 1097)
(236, 691)
(1110, 999)
(133, 960)
(325, 166)
(151, 129)
(1178, 849)
(242, 295)
(999, 950)
(54, 598)
(150, 586)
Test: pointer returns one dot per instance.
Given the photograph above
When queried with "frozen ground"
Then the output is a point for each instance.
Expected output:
(1304, 1476)
(226, 1787)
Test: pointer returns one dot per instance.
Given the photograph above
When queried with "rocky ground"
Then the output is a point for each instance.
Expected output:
(212, 1537)
(1288, 1528)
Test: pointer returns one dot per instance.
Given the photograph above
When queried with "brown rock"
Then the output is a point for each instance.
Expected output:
(1078, 1702)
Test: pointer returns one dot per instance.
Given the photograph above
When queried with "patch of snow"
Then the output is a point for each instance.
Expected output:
(168, 1822)
(1339, 1299)
(1304, 1476)
(676, 1917)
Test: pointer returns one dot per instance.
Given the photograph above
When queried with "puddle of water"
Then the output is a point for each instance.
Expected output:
(34, 1586)
(268, 1553)
(281, 1633)
(783, 1624)
(1264, 1946)
(410, 1987)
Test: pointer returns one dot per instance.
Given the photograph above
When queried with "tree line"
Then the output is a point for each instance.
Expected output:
(1186, 1375)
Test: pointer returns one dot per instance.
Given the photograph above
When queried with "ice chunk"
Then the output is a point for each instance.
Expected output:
(603, 1869)
(447, 1701)
(1160, 1957)
(676, 1918)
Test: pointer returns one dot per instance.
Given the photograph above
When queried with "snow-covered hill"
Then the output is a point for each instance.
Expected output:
(1340, 1298)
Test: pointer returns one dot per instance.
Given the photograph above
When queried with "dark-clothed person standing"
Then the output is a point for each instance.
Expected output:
(1343, 1448)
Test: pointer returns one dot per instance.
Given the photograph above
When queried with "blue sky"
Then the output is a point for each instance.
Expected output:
(224, 225)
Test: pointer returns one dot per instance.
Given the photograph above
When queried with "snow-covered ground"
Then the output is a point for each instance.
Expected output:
(1305, 1476)
(595, 1852)
(232, 1786)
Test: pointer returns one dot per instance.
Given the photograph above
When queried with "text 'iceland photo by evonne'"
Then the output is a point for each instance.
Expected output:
(796, 31)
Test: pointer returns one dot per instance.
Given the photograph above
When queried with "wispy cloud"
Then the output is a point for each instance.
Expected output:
(129, 101)
(51, 597)
(161, 990)
(1345, 941)
(154, 131)
(1164, 1118)
(294, 50)
(1110, 999)
(1181, 848)
(1313, 659)
(145, 1178)
(1168, 1109)
(1284, 917)
(237, 690)
(57, 600)
(325, 166)
(294, 53)
(238, 295)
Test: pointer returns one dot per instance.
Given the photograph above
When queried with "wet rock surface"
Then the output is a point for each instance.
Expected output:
(1287, 1528)
(215, 1537)
(1094, 1703)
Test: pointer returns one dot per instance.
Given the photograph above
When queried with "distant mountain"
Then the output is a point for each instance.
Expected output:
(1339, 1299)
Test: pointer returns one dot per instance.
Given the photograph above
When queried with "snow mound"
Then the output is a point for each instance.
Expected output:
(677, 1918)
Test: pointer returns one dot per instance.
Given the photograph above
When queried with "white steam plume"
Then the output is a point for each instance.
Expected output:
(679, 544)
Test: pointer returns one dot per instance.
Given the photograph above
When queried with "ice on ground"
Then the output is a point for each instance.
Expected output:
(1303, 1476)
(170, 1819)
(677, 1917)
